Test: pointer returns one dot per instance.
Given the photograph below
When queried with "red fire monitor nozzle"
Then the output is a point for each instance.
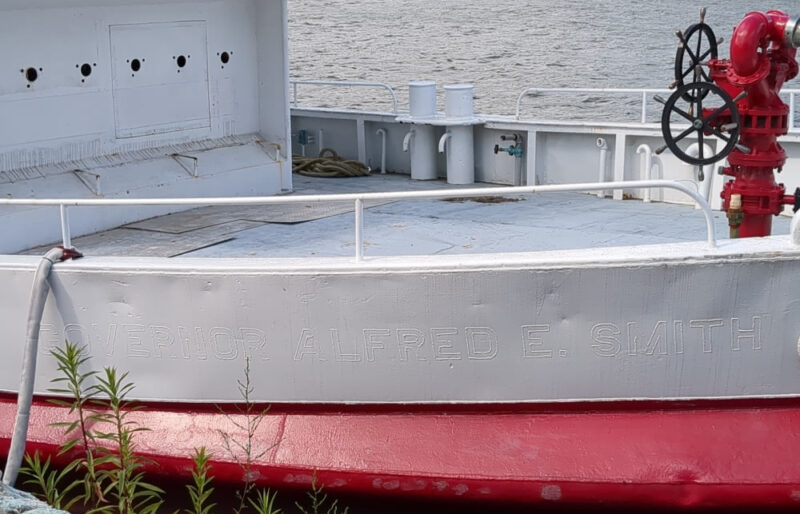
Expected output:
(762, 58)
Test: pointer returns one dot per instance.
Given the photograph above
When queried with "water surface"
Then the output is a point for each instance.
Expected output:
(501, 47)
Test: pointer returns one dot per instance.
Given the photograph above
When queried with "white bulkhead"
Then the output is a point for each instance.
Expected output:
(138, 99)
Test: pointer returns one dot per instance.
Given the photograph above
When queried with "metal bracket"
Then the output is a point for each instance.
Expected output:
(275, 146)
(90, 180)
(190, 167)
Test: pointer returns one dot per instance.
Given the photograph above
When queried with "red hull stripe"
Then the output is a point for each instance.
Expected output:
(709, 456)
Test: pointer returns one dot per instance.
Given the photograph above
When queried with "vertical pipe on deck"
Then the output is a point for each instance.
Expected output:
(382, 132)
(647, 167)
(601, 171)
(619, 163)
(361, 140)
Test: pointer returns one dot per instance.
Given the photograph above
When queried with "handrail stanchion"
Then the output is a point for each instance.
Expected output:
(644, 106)
(66, 236)
(522, 95)
(359, 215)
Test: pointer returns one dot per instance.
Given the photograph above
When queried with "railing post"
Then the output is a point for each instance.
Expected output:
(66, 237)
(791, 111)
(644, 106)
(394, 99)
(359, 213)
(522, 95)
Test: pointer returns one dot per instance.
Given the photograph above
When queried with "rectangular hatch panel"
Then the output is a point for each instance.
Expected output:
(160, 78)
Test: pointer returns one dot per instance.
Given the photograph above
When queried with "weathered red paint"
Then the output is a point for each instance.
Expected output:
(628, 454)
(760, 63)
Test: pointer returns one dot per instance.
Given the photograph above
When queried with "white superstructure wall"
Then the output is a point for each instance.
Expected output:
(94, 94)
(235, 61)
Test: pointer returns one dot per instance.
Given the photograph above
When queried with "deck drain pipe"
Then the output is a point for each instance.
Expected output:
(39, 292)
(647, 169)
(443, 142)
(703, 174)
(382, 132)
(601, 170)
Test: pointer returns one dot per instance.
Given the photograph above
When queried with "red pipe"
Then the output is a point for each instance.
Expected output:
(748, 37)
(751, 67)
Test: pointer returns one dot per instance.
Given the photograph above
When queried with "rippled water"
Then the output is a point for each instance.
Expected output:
(501, 47)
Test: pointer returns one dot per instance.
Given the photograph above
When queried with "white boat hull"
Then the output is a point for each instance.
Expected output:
(650, 322)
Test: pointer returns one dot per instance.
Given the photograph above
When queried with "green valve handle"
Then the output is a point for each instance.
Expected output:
(513, 150)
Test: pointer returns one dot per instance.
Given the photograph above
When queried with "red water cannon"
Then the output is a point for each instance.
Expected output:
(750, 118)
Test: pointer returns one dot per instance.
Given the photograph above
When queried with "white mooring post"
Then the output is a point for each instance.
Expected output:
(459, 100)
(421, 139)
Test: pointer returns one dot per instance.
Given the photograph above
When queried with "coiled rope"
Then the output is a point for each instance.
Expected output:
(328, 165)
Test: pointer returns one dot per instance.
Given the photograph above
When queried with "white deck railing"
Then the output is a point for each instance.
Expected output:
(644, 93)
(579, 90)
(360, 198)
(342, 83)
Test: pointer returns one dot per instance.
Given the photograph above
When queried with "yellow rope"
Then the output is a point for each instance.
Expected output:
(328, 165)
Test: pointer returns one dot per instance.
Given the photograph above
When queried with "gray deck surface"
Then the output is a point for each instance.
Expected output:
(551, 221)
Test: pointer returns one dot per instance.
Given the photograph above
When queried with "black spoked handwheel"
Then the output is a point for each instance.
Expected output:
(700, 125)
(698, 45)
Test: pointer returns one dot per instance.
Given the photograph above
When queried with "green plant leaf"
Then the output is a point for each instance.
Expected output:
(68, 446)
